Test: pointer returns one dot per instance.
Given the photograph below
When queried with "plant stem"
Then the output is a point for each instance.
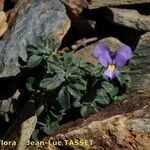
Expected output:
(83, 42)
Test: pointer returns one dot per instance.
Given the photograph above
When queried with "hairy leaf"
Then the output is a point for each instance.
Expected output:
(102, 97)
(110, 88)
(64, 98)
(52, 83)
(34, 61)
(85, 110)
(74, 91)
(29, 84)
(50, 128)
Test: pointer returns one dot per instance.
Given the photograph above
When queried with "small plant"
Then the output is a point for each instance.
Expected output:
(64, 83)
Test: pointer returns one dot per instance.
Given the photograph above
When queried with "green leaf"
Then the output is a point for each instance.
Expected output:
(74, 91)
(102, 97)
(121, 79)
(77, 103)
(35, 135)
(32, 49)
(58, 117)
(29, 84)
(52, 83)
(52, 66)
(34, 60)
(64, 98)
(75, 71)
(120, 98)
(97, 70)
(67, 60)
(50, 128)
(124, 69)
(109, 88)
(40, 110)
(85, 110)
(127, 80)
(81, 84)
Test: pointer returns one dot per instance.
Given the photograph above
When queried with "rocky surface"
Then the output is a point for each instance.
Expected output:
(121, 126)
(141, 65)
(129, 18)
(124, 125)
(97, 3)
(46, 18)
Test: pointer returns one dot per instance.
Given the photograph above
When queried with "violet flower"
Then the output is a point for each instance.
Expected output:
(110, 61)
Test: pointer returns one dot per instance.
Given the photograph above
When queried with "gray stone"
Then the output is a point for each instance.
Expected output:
(37, 17)
(141, 65)
(128, 18)
(102, 3)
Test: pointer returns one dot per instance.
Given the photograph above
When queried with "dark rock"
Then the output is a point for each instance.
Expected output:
(45, 18)
(128, 18)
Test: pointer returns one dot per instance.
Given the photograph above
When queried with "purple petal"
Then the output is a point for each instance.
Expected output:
(122, 55)
(111, 74)
(102, 52)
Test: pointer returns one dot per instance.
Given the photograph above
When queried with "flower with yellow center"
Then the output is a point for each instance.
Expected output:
(111, 67)
(112, 62)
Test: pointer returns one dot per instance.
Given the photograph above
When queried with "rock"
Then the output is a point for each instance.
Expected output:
(141, 65)
(75, 6)
(3, 23)
(121, 126)
(103, 3)
(128, 18)
(45, 18)
(86, 52)
(1, 5)
(78, 21)
(22, 128)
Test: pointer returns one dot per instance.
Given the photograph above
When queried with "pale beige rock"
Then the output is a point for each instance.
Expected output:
(3, 23)
(3, 16)
(3, 28)
(27, 129)
(102, 3)
(114, 133)
(128, 18)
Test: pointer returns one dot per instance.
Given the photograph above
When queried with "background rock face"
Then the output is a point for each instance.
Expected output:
(141, 65)
(129, 18)
(101, 3)
(39, 17)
